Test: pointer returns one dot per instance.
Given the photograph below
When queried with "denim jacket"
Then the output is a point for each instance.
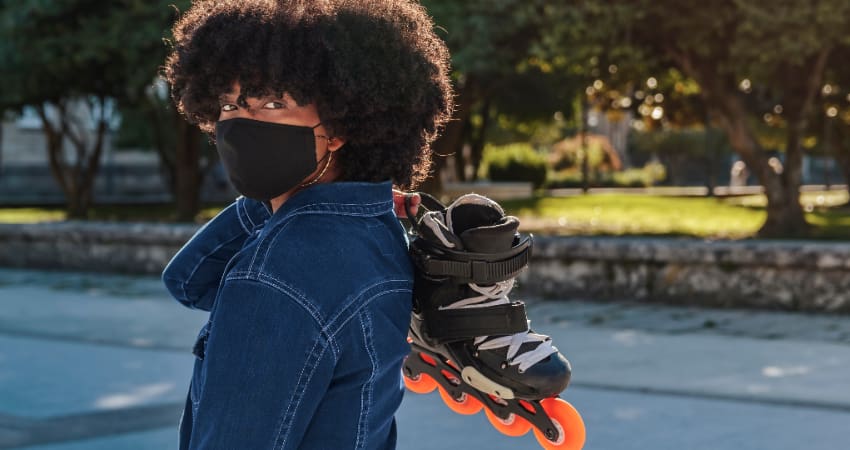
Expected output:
(309, 310)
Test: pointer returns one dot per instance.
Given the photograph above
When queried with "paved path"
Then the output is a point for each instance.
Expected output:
(93, 362)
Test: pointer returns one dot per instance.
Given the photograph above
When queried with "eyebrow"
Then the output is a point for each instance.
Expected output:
(232, 98)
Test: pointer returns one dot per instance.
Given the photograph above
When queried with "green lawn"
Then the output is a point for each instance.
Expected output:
(598, 214)
(630, 214)
(146, 213)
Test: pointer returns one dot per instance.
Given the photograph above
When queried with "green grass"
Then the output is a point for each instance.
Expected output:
(598, 214)
(144, 213)
(30, 215)
(630, 214)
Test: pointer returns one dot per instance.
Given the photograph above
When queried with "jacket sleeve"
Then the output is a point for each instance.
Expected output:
(266, 368)
(194, 273)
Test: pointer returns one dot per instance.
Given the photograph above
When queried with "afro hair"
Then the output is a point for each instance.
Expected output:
(375, 69)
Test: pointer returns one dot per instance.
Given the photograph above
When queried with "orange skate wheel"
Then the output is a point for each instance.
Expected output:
(421, 384)
(568, 422)
(467, 405)
(513, 426)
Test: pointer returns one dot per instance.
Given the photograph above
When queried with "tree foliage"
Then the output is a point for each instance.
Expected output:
(60, 56)
(500, 79)
(731, 48)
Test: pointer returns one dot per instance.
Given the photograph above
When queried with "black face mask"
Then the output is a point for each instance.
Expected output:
(264, 159)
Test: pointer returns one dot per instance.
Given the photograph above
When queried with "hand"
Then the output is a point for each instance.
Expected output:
(398, 203)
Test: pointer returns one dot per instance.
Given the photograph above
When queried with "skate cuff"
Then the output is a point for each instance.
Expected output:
(448, 325)
(479, 268)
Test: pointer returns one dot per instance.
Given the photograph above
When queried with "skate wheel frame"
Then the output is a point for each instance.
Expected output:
(475, 379)
(556, 424)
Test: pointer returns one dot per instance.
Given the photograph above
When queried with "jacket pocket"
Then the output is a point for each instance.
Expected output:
(197, 382)
(200, 347)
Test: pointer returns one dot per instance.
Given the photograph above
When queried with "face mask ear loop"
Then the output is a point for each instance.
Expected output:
(318, 135)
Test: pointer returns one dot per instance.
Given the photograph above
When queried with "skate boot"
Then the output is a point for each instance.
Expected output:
(468, 339)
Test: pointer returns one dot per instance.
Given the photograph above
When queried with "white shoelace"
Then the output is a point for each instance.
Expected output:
(497, 295)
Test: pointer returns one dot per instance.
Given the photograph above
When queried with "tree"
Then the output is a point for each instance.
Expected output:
(76, 62)
(731, 47)
(183, 150)
(498, 77)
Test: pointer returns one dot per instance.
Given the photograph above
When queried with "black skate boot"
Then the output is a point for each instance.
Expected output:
(469, 339)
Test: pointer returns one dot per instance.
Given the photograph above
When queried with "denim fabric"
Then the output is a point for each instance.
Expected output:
(309, 310)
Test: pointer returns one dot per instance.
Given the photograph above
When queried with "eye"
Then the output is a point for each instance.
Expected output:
(227, 107)
(274, 105)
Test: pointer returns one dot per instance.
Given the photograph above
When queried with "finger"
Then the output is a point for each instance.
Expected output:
(415, 200)
(399, 206)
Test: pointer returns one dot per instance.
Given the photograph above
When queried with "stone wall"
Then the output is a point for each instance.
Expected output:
(116, 183)
(142, 248)
(791, 275)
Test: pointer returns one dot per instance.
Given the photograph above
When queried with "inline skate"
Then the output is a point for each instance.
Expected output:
(472, 343)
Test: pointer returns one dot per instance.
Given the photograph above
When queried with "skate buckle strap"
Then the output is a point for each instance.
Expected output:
(479, 268)
(446, 325)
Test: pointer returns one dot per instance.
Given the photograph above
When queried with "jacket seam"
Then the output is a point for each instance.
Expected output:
(298, 394)
(368, 387)
(363, 292)
(279, 226)
(373, 206)
(344, 322)
(265, 245)
(188, 279)
(286, 289)
(247, 217)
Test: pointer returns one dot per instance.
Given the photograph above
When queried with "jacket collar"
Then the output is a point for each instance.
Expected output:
(349, 198)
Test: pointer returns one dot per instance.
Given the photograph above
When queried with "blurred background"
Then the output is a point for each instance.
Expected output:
(685, 164)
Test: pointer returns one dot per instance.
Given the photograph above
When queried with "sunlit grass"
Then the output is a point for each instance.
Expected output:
(119, 213)
(597, 214)
(809, 200)
(630, 214)
(30, 215)
(621, 214)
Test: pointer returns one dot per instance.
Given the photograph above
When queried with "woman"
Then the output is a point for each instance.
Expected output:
(318, 109)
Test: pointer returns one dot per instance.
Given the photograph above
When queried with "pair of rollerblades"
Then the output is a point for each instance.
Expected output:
(472, 343)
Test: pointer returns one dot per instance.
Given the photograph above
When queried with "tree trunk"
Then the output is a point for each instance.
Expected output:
(188, 175)
(841, 153)
(1, 143)
(91, 167)
(452, 139)
(785, 216)
(162, 140)
(459, 155)
(476, 147)
(585, 154)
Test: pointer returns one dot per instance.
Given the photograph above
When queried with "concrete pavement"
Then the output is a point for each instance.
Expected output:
(102, 362)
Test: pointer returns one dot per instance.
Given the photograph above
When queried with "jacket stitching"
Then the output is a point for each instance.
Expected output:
(363, 305)
(366, 391)
(200, 263)
(365, 291)
(298, 395)
(239, 207)
(283, 287)
(247, 216)
(280, 225)
(265, 245)
(341, 208)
